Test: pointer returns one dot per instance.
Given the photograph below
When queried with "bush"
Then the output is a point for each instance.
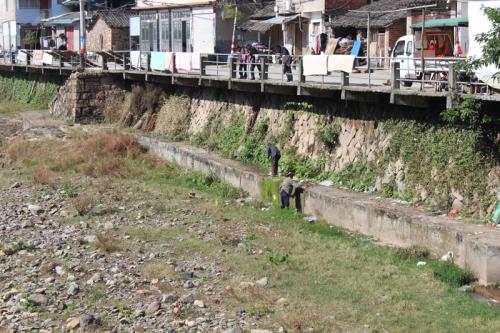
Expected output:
(328, 136)
(453, 275)
(414, 251)
(83, 204)
(43, 176)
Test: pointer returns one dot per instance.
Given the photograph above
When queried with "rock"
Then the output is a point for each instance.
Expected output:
(73, 288)
(199, 303)
(108, 226)
(189, 284)
(187, 275)
(262, 282)
(246, 285)
(235, 329)
(73, 323)
(466, 289)
(15, 185)
(9, 294)
(90, 239)
(94, 279)
(153, 307)
(282, 302)
(88, 320)
(188, 299)
(139, 311)
(38, 299)
(59, 270)
(260, 331)
(35, 209)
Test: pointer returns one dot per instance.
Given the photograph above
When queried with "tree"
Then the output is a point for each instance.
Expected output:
(490, 42)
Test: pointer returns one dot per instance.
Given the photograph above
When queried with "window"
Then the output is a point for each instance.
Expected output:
(399, 49)
(165, 31)
(29, 4)
(149, 32)
(181, 30)
(409, 48)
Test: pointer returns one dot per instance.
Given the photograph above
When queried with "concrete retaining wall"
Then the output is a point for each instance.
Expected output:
(476, 247)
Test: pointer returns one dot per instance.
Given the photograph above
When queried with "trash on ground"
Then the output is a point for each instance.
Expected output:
(326, 183)
(453, 212)
(310, 219)
(447, 257)
(421, 263)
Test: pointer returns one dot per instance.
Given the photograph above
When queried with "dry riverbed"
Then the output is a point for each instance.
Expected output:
(96, 234)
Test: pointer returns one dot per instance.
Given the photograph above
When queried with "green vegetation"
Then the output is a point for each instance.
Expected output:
(320, 269)
(19, 92)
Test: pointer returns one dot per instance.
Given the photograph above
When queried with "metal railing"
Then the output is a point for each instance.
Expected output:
(436, 74)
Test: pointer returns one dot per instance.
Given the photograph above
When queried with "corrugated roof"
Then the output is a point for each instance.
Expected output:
(113, 18)
(263, 26)
(64, 19)
(378, 20)
(449, 22)
(173, 4)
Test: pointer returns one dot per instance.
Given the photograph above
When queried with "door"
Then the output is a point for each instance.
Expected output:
(70, 40)
(399, 55)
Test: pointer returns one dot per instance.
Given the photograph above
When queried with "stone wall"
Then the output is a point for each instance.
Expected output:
(102, 37)
(85, 96)
(398, 151)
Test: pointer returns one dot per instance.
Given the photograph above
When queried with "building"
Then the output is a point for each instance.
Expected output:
(109, 30)
(301, 34)
(184, 26)
(20, 21)
(64, 30)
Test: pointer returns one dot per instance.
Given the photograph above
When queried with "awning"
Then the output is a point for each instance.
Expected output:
(440, 23)
(265, 25)
(64, 19)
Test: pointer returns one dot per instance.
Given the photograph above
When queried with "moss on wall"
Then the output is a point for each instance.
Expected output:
(32, 91)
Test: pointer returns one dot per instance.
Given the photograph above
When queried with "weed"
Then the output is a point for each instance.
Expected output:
(451, 274)
(43, 176)
(69, 190)
(358, 176)
(277, 258)
(107, 243)
(83, 204)
(328, 136)
(414, 251)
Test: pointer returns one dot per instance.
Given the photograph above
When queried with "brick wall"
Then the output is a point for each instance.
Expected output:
(120, 39)
(393, 32)
(100, 28)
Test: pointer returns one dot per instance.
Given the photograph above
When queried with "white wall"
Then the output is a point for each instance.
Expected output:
(203, 29)
(478, 23)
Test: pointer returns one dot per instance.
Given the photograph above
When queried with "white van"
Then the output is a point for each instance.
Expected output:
(407, 52)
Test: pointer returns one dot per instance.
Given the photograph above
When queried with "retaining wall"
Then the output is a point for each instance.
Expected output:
(476, 247)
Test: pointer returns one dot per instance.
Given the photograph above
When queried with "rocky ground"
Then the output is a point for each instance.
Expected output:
(159, 250)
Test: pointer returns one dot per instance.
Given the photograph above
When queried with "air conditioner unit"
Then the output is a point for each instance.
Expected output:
(288, 5)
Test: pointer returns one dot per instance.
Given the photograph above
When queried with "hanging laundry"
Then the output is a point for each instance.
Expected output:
(195, 61)
(323, 39)
(341, 63)
(158, 61)
(135, 59)
(47, 58)
(331, 45)
(169, 61)
(37, 58)
(183, 62)
(315, 64)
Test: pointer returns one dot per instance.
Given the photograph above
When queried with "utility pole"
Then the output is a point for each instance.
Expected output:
(233, 40)
(82, 33)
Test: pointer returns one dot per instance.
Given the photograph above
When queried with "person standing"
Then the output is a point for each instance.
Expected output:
(273, 153)
(457, 50)
(286, 60)
(286, 190)
(254, 62)
(244, 56)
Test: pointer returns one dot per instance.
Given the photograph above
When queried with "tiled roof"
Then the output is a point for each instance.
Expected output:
(113, 18)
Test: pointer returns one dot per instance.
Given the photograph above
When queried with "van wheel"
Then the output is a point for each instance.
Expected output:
(406, 83)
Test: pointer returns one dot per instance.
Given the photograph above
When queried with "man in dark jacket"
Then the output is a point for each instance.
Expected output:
(273, 153)
(286, 60)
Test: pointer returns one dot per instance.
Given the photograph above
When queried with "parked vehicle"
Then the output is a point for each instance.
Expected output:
(438, 50)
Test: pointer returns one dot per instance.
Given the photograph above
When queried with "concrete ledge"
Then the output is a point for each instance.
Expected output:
(476, 247)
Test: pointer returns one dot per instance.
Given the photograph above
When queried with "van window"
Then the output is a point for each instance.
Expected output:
(409, 48)
(399, 49)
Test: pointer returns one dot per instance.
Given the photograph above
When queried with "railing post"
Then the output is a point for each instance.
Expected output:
(395, 76)
(12, 61)
(60, 65)
(173, 67)
(302, 78)
(452, 98)
(203, 68)
(232, 71)
(344, 82)
(264, 72)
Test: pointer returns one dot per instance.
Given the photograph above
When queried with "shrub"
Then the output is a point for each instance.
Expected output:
(83, 204)
(44, 176)
(414, 251)
(453, 275)
(328, 136)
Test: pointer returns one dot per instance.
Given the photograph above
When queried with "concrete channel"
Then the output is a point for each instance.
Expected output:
(475, 247)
